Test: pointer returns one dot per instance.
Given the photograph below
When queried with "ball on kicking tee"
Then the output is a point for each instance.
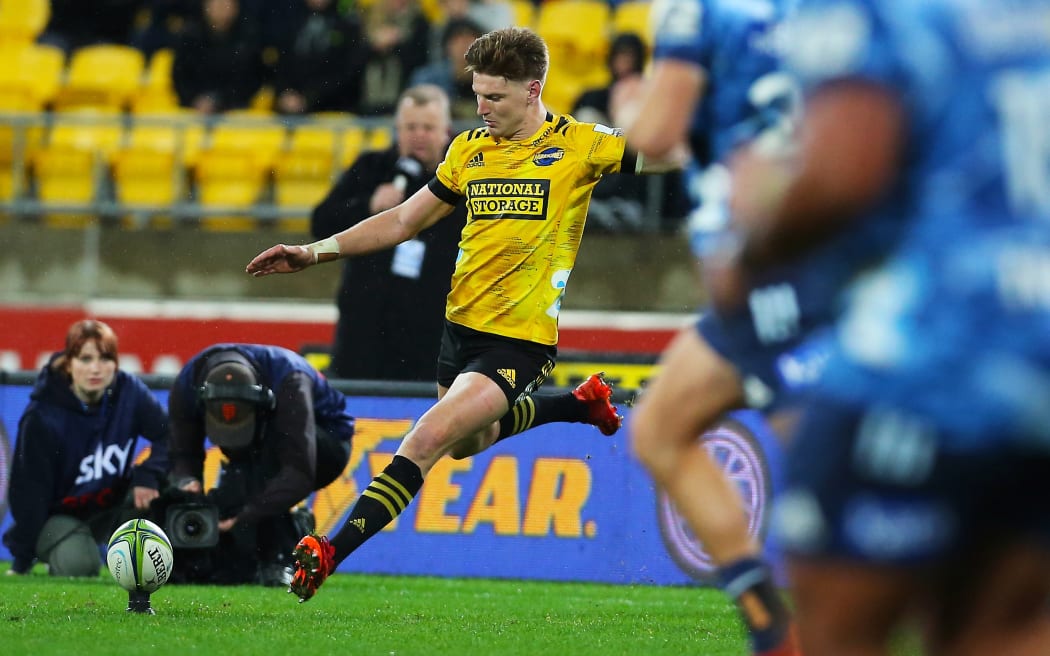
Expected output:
(139, 556)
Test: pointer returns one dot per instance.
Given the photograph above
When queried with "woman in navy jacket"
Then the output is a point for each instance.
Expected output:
(73, 477)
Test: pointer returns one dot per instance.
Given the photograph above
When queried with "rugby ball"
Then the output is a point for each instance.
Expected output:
(139, 556)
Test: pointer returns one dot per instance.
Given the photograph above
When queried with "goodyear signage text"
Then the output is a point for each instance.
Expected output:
(560, 502)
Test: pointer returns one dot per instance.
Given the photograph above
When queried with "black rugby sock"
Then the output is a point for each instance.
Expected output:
(383, 500)
(539, 409)
(749, 583)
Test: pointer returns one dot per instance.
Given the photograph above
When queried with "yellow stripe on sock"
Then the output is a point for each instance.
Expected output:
(394, 496)
(524, 415)
(393, 482)
(381, 499)
(530, 413)
(517, 418)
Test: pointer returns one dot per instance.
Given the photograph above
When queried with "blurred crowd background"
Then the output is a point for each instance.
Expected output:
(234, 117)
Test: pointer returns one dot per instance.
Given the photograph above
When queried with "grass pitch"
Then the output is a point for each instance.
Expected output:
(357, 614)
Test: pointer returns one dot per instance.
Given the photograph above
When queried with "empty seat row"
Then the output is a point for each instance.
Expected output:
(153, 162)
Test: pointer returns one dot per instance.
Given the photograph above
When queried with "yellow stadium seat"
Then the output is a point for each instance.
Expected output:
(524, 12)
(301, 181)
(146, 177)
(575, 52)
(180, 133)
(632, 17)
(433, 11)
(313, 138)
(351, 143)
(30, 76)
(20, 139)
(107, 76)
(263, 139)
(380, 138)
(157, 92)
(71, 165)
(228, 179)
(261, 103)
(67, 176)
(561, 91)
(91, 130)
(333, 132)
(22, 21)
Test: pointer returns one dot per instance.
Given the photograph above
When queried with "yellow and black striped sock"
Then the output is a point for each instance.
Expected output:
(540, 409)
(383, 500)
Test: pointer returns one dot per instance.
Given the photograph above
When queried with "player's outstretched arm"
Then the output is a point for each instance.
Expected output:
(281, 259)
(384, 230)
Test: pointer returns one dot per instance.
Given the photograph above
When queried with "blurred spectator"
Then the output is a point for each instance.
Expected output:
(397, 38)
(627, 57)
(76, 23)
(392, 302)
(319, 66)
(163, 23)
(450, 73)
(620, 201)
(73, 477)
(488, 15)
(218, 63)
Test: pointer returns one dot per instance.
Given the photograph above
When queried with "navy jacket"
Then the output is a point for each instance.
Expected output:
(75, 459)
(305, 402)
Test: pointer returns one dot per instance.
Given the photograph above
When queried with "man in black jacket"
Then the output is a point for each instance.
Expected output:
(218, 62)
(392, 303)
(318, 69)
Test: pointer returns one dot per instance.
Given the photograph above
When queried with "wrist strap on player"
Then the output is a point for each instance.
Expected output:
(328, 245)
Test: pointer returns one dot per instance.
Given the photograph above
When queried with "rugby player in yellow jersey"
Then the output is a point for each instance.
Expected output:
(527, 178)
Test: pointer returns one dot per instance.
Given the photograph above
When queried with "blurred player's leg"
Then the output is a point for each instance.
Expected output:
(694, 388)
(999, 608)
(848, 610)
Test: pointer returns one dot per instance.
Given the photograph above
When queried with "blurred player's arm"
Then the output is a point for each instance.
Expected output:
(657, 113)
(850, 148)
(381, 231)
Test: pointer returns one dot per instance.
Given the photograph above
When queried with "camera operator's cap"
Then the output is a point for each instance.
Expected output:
(229, 410)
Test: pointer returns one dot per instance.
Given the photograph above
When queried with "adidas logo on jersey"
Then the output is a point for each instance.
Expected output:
(359, 523)
(509, 375)
(477, 160)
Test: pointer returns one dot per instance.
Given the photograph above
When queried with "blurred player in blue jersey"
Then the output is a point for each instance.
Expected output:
(918, 478)
(715, 82)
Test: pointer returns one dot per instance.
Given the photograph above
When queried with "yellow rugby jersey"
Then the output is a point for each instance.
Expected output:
(526, 206)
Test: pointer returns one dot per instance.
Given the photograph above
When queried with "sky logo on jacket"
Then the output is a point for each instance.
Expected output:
(110, 461)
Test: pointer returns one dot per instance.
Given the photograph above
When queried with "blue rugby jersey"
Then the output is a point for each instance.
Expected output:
(957, 326)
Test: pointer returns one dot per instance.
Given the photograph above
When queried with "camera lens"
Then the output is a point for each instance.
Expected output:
(193, 526)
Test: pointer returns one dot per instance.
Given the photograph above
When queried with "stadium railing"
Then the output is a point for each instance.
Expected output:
(76, 167)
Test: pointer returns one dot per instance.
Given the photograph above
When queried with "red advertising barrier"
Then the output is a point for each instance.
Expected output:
(157, 337)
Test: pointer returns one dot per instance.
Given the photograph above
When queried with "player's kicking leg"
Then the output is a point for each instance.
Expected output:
(473, 400)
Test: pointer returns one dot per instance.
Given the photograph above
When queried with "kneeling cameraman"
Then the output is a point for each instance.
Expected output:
(284, 433)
